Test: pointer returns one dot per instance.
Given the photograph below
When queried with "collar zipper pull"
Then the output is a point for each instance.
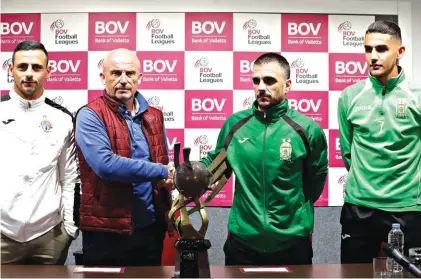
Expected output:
(384, 91)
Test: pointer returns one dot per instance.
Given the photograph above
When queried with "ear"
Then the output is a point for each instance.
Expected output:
(401, 52)
(102, 76)
(48, 71)
(10, 68)
(139, 81)
(287, 86)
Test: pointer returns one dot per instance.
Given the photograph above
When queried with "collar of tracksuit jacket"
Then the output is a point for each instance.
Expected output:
(390, 84)
(26, 105)
(271, 115)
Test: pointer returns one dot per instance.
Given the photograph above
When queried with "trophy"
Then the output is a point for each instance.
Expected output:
(192, 180)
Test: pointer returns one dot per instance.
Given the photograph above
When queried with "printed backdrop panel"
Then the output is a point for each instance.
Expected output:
(162, 69)
(16, 28)
(112, 30)
(156, 32)
(65, 32)
(209, 31)
(208, 70)
(69, 70)
(197, 68)
(257, 32)
(305, 33)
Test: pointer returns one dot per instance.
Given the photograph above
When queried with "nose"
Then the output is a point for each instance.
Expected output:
(123, 78)
(29, 73)
(374, 54)
(262, 86)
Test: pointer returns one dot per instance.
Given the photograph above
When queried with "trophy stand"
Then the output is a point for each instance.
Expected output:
(192, 258)
(191, 248)
(192, 180)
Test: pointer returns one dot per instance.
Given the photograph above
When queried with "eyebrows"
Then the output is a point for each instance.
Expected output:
(119, 71)
(128, 68)
(25, 65)
(268, 80)
(378, 48)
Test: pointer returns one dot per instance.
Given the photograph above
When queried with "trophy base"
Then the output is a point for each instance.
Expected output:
(192, 258)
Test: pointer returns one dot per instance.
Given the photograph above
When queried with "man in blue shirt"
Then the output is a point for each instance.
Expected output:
(125, 173)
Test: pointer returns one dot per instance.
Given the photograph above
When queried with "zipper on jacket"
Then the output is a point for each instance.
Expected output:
(383, 96)
(28, 107)
(264, 180)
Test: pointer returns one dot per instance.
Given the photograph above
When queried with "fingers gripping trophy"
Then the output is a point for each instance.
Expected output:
(192, 180)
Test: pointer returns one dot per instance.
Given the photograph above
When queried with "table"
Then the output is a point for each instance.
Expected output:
(302, 271)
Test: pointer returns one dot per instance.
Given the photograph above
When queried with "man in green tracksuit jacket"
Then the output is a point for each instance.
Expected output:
(380, 138)
(279, 158)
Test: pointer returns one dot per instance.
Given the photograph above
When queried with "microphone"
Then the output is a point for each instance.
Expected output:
(402, 260)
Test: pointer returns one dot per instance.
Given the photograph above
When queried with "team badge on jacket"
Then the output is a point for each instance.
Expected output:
(401, 109)
(286, 150)
(46, 125)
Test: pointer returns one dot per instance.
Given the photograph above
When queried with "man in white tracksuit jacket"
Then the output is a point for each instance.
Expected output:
(39, 174)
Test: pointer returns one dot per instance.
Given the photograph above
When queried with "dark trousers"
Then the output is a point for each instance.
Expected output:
(237, 253)
(143, 248)
(365, 229)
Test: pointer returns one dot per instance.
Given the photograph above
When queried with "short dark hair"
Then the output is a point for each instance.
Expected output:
(385, 27)
(29, 45)
(275, 57)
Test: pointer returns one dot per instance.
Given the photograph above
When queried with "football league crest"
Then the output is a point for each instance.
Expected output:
(401, 109)
(46, 125)
(286, 150)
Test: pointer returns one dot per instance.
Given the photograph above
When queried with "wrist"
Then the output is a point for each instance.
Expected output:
(165, 172)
